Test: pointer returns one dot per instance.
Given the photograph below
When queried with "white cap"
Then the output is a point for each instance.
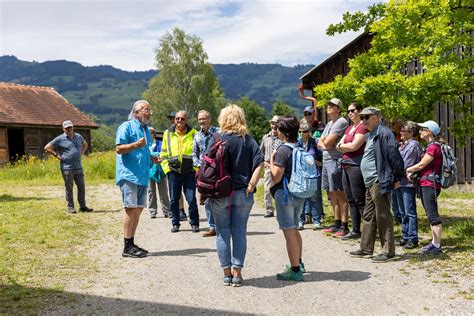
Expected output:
(67, 124)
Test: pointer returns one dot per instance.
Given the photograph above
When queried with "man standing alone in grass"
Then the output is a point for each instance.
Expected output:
(68, 149)
(132, 144)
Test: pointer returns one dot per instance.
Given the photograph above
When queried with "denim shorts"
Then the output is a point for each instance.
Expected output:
(332, 176)
(133, 195)
(288, 215)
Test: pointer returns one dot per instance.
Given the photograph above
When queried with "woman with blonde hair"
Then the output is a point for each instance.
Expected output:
(231, 213)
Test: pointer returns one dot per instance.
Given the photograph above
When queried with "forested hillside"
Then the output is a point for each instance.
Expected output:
(107, 92)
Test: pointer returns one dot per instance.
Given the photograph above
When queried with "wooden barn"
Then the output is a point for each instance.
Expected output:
(31, 116)
(337, 64)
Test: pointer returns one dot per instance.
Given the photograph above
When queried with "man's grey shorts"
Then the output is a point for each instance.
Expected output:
(133, 195)
(332, 176)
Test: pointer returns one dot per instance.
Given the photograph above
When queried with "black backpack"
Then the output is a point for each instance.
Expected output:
(213, 178)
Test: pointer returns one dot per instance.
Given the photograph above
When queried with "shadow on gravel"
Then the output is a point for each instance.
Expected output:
(270, 282)
(17, 300)
(182, 252)
(259, 233)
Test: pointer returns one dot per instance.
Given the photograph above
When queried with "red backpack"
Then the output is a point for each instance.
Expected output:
(213, 178)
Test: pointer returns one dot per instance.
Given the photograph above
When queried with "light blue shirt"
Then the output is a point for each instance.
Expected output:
(134, 165)
(368, 166)
(70, 151)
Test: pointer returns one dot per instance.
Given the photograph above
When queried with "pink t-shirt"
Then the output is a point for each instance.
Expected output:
(434, 150)
(354, 156)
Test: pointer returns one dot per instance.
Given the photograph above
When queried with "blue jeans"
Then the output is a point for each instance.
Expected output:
(314, 205)
(210, 217)
(231, 215)
(177, 182)
(406, 202)
(396, 209)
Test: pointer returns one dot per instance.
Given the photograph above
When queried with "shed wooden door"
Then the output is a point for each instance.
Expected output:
(3, 146)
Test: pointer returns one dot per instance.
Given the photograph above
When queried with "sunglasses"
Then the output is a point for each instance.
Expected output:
(307, 114)
(304, 132)
(352, 110)
(365, 117)
(179, 119)
(404, 131)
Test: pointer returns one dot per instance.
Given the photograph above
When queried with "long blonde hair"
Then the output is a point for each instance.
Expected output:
(232, 120)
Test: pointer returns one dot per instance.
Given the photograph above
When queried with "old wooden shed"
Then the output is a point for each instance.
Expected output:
(31, 116)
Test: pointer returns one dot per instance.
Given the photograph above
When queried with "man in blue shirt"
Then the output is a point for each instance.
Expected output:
(68, 148)
(132, 144)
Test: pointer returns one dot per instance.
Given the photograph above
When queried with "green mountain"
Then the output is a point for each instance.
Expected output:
(108, 92)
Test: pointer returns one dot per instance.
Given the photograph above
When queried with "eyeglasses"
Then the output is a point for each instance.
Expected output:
(147, 111)
(304, 132)
(274, 127)
(307, 114)
(179, 119)
(365, 117)
(352, 110)
(405, 131)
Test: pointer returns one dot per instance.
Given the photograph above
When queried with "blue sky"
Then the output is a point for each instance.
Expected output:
(124, 34)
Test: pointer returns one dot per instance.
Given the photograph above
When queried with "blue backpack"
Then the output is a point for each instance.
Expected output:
(303, 174)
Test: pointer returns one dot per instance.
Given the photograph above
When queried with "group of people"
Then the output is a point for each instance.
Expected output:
(361, 163)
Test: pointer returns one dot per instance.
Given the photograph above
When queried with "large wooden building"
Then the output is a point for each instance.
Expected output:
(31, 116)
(444, 113)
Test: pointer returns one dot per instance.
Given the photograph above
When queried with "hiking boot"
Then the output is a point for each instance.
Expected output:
(300, 226)
(182, 215)
(133, 252)
(410, 245)
(302, 267)
(167, 214)
(237, 281)
(308, 219)
(86, 209)
(209, 233)
(153, 215)
(290, 275)
(317, 226)
(351, 235)
(71, 210)
(227, 280)
(141, 249)
(175, 229)
(402, 242)
(268, 214)
(330, 230)
(383, 257)
(340, 233)
(431, 249)
(195, 228)
(360, 254)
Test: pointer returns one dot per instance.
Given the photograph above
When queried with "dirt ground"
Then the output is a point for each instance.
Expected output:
(182, 274)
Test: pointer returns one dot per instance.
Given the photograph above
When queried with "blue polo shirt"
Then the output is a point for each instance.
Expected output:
(70, 151)
(134, 165)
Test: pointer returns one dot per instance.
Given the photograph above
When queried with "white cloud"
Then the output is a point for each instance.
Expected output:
(125, 33)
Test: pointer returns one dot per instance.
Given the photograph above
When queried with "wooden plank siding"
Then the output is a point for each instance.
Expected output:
(443, 112)
(4, 156)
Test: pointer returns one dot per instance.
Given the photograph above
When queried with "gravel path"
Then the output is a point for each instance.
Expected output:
(182, 274)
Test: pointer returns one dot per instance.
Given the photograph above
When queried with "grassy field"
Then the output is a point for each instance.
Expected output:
(42, 246)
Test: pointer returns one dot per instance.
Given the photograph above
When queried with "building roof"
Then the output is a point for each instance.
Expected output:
(333, 56)
(38, 106)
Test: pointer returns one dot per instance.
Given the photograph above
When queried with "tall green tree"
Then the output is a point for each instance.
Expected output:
(185, 79)
(434, 34)
(280, 108)
(256, 116)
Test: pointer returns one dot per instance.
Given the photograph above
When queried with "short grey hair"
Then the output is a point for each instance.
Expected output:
(182, 111)
(410, 125)
(137, 106)
(205, 112)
